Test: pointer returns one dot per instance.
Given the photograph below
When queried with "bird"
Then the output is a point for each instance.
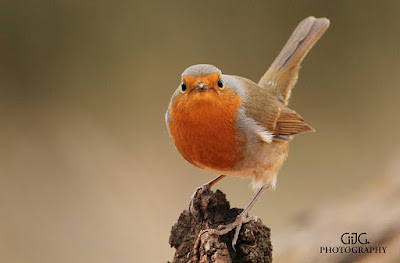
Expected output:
(231, 126)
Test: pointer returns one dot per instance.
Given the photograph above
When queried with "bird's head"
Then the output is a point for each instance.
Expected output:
(201, 80)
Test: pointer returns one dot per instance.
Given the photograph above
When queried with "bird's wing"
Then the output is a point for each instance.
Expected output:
(268, 111)
(290, 123)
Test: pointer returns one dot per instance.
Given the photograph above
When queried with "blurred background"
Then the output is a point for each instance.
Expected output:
(88, 172)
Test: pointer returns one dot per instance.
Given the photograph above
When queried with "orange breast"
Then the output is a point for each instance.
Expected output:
(203, 129)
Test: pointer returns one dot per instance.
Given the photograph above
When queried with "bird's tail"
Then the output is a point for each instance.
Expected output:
(282, 74)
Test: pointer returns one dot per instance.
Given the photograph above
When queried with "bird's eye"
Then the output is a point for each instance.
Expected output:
(220, 84)
(183, 87)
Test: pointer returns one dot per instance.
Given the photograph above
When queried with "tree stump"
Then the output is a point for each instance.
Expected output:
(253, 245)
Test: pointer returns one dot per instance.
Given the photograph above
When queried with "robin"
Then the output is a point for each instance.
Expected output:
(229, 125)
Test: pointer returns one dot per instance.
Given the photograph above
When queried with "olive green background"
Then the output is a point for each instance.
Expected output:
(87, 170)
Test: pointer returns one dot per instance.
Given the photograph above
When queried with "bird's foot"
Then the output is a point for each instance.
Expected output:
(199, 190)
(224, 229)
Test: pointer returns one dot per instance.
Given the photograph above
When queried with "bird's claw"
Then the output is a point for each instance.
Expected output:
(237, 224)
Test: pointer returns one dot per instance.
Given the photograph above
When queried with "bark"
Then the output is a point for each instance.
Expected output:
(253, 245)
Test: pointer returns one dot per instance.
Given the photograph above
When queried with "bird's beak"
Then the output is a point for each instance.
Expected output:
(201, 87)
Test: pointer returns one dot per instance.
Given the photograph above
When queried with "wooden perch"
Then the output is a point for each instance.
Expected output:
(254, 243)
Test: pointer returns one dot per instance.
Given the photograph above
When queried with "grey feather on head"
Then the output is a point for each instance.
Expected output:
(200, 70)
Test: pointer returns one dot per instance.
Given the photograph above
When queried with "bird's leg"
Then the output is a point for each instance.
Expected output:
(205, 186)
(240, 219)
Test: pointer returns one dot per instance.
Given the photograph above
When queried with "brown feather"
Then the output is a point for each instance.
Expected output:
(267, 110)
(282, 74)
(290, 123)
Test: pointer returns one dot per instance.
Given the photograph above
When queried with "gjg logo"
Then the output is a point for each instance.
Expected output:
(353, 238)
